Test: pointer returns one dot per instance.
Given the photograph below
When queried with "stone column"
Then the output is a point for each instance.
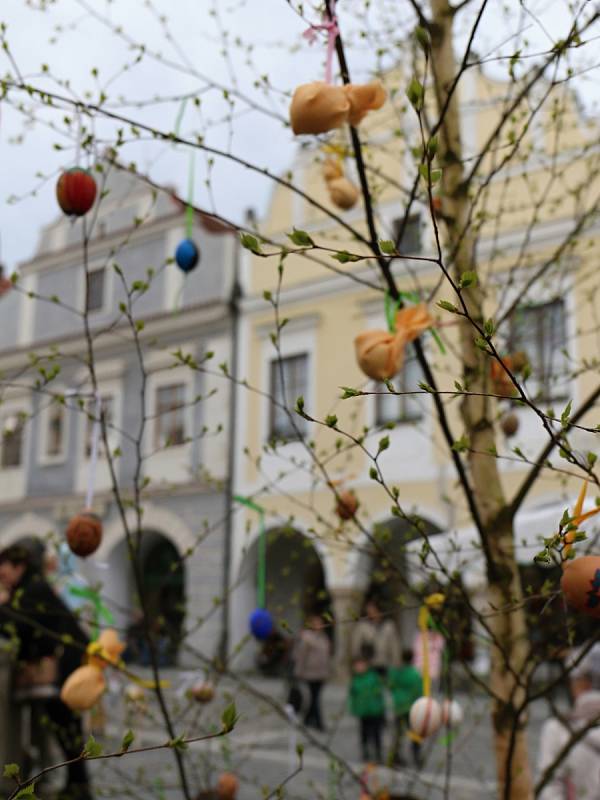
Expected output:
(346, 602)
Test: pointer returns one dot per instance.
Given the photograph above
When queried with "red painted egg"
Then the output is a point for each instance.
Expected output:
(203, 692)
(580, 584)
(84, 534)
(347, 505)
(76, 191)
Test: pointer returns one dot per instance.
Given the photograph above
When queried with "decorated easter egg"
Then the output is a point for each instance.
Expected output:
(202, 692)
(84, 533)
(187, 255)
(452, 713)
(425, 717)
(83, 688)
(76, 191)
(261, 623)
(109, 646)
(343, 193)
(509, 424)
(227, 786)
(134, 693)
(318, 107)
(580, 584)
(347, 505)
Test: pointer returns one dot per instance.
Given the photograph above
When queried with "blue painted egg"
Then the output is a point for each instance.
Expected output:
(261, 623)
(187, 255)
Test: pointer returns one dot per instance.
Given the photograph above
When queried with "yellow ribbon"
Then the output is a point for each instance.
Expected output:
(96, 649)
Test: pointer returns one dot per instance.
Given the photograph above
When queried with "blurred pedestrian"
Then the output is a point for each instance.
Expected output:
(366, 702)
(406, 686)
(312, 664)
(41, 625)
(577, 774)
(375, 631)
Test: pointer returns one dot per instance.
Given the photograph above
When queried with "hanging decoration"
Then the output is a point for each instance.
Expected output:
(425, 716)
(260, 620)
(343, 193)
(85, 685)
(502, 385)
(319, 106)
(347, 504)
(76, 188)
(202, 692)
(380, 354)
(509, 424)
(227, 786)
(580, 582)
(452, 713)
(84, 531)
(187, 254)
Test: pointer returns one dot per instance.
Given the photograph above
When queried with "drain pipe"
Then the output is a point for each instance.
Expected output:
(234, 314)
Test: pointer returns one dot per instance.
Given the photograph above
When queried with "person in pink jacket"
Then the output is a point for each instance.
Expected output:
(577, 775)
(312, 663)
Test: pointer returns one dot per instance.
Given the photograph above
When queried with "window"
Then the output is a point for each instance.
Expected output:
(107, 412)
(403, 407)
(540, 331)
(288, 381)
(12, 441)
(55, 438)
(170, 416)
(409, 240)
(95, 289)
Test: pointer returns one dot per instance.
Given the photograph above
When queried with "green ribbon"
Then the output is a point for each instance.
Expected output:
(392, 307)
(100, 610)
(261, 577)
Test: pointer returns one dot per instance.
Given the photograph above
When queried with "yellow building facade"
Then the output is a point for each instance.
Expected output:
(529, 210)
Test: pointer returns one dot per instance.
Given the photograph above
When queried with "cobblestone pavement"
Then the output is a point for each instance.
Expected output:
(261, 749)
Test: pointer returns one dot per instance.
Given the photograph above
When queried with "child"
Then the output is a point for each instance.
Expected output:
(406, 686)
(367, 703)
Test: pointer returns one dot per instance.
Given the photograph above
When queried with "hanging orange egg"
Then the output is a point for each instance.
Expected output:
(76, 191)
(580, 584)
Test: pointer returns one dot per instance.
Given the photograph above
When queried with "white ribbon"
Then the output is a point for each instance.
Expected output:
(94, 453)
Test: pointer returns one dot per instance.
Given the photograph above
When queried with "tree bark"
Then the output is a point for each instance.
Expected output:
(508, 624)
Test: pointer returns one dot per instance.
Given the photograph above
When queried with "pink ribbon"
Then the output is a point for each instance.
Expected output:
(332, 29)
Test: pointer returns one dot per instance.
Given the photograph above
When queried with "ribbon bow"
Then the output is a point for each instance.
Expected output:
(330, 26)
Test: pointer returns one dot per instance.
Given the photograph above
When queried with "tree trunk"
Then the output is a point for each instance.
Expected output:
(507, 626)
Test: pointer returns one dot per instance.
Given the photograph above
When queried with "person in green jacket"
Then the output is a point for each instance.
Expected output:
(406, 686)
(366, 702)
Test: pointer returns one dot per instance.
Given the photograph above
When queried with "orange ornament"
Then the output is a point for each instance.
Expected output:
(347, 505)
(76, 191)
(580, 584)
(83, 688)
(109, 646)
(84, 533)
(364, 98)
(380, 354)
(227, 786)
(318, 107)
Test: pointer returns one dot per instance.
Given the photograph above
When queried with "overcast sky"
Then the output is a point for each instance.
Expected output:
(72, 41)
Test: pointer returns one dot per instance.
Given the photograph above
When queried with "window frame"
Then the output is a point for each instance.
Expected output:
(21, 423)
(543, 388)
(45, 458)
(399, 381)
(274, 366)
(182, 408)
(415, 218)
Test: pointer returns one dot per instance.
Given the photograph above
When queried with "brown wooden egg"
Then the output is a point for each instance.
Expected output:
(84, 533)
(347, 505)
(580, 584)
(203, 692)
(227, 786)
(509, 424)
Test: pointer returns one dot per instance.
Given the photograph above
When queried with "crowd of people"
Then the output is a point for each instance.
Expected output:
(49, 643)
